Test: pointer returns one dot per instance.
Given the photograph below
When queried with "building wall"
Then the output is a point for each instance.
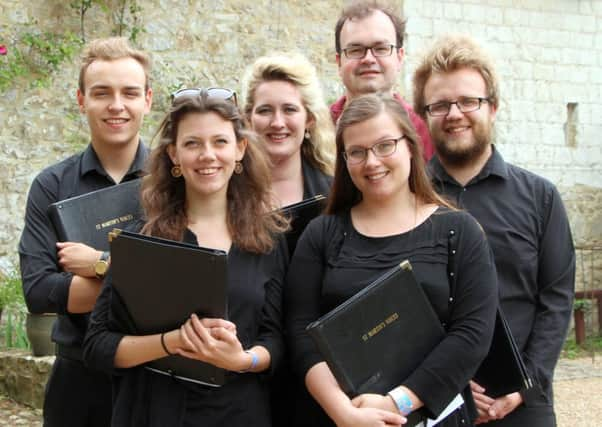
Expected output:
(549, 57)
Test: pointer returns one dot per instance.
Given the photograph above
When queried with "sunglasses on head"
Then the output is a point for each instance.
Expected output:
(212, 92)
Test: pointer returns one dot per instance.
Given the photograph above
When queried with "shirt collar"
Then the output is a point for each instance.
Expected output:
(91, 163)
(495, 166)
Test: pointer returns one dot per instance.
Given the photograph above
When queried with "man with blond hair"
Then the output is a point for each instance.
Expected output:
(369, 55)
(60, 277)
(456, 90)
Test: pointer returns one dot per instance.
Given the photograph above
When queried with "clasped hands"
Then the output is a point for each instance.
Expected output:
(212, 341)
(490, 409)
(372, 410)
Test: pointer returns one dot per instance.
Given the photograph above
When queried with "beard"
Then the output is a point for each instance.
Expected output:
(461, 155)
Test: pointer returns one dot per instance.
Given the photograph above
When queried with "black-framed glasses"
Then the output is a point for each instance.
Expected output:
(384, 148)
(211, 92)
(465, 104)
(359, 52)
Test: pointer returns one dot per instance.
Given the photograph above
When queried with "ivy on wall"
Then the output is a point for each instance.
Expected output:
(35, 55)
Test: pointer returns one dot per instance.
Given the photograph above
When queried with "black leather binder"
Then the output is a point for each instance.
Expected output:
(88, 218)
(162, 282)
(300, 214)
(378, 337)
(503, 369)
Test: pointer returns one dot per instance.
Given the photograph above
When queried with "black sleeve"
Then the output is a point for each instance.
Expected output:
(102, 339)
(555, 287)
(302, 295)
(450, 366)
(271, 334)
(45, 286)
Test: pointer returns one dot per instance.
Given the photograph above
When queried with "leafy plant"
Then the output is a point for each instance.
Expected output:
(583, 304)
(12, 305)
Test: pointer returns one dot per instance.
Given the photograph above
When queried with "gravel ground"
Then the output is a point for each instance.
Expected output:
(577, 388)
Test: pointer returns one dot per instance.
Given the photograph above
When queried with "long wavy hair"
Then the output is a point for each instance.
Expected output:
(318, 149)
(345, 194)
(251, 219)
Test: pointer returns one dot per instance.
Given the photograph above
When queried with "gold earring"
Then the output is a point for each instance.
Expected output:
(176, 171)
(238, 167)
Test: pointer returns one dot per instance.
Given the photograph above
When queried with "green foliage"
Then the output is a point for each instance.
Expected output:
(11, 292)
(14, 313)
(583, 304)
(592, 345)
(35, 56)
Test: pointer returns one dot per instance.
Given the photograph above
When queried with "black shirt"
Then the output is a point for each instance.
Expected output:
(144, 398)
(333, 261)
(528, 230)
(45, 285)
(314, 180)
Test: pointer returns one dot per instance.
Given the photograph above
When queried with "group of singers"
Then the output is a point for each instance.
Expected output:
(218, 171)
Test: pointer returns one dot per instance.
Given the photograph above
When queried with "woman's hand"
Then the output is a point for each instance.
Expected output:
(378, 401)
(370, 417)
(213, 341)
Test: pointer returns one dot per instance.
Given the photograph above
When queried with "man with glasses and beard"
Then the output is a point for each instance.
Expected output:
(369, 55)
(456, 92)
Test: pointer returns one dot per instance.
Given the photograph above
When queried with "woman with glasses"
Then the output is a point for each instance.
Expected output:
(208, 185)
(381, 211)
(283, 102)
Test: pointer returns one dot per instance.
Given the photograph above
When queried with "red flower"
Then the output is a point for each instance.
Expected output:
(3, 49)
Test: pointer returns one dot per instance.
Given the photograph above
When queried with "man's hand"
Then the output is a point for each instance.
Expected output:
(77, 258)
(493, 409)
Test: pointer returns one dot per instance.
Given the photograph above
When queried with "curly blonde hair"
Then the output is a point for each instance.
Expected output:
(297, 70)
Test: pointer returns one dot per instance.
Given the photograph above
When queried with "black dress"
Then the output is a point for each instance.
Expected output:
(144, 398)
(452, 262)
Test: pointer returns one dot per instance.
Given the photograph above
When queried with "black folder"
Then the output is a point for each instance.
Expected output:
(88, 218)
(300, 214)
(162, 282)
(378, 337)
(503, 371)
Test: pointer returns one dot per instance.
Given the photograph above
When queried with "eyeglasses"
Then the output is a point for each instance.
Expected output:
(212, 92)
(357, 155)
(465, 104)
(359, 52)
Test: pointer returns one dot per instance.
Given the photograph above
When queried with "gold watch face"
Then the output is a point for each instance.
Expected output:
(101, 267)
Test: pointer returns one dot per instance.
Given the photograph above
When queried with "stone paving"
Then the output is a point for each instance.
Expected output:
(577, 384)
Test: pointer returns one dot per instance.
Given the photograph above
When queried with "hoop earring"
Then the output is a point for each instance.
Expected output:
(176, 171)
(238, 167)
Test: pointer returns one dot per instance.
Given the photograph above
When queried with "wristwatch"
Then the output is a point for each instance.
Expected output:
(102, 265)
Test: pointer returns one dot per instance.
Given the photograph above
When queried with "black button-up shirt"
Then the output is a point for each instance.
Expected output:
(528, 230)
(45, 284)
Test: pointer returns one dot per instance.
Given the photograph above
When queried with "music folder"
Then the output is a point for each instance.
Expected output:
(161, 283)
(503, 370)
(88, 218)
(378, 337)
(300, 214)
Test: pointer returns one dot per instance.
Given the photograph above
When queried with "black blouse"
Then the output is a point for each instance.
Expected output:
(142, 397)
(450, 258)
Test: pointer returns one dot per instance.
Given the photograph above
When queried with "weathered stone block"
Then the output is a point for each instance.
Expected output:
(23, 377)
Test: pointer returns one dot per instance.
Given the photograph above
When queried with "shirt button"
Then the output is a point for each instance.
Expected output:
(453, 251)
(451, 274)
(451, 299)
(452, 232)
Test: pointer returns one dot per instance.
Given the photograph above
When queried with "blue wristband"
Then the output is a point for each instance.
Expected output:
(402, 400)
(254, 361)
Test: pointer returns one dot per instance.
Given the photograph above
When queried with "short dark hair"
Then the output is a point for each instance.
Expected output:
(362, 8)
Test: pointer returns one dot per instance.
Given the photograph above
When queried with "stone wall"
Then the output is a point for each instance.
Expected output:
(549, 56)
(23, 377)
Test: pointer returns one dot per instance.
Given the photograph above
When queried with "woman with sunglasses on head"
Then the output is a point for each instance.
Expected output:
(206, 186)
(283, 102)
(381, 211)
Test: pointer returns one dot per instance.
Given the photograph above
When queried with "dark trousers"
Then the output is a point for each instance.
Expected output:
(77, 396)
